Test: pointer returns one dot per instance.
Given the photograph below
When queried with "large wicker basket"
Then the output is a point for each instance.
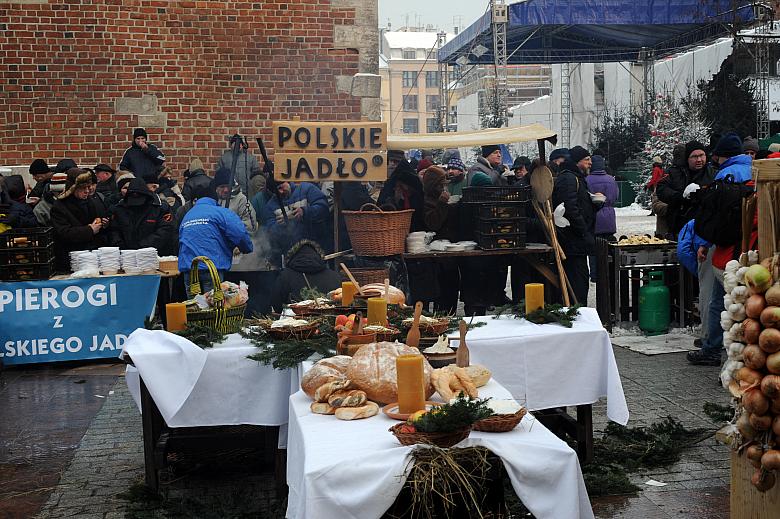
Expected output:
(440, 439)
(221, 319)
(378, 233)
(366, 276)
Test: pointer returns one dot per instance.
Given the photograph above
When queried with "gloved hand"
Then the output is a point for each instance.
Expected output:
(690, 189)
(558, 218)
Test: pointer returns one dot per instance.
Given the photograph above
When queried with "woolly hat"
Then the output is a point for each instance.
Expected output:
(520, 162)
(578, 153)
(490, 148)
(730, 145)
(424, 164)
(432, 179)
(64, 165)
(39, 167)
(480, 179)
(560, 153)
(195, 165)
(221, 177)
(76, 178)
(139, 132)
(693, 146)
(599, 163)
(57, 182)
(456, 163)
(750, 144)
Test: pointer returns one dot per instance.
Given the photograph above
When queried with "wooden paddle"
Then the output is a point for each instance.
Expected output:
(413, 337)
(358, 325)
(462, 359)
(352, 278)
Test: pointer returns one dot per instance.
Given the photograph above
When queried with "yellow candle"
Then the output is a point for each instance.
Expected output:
(348, 291)
(176, 316)
(410, 378)
(534, 297)
(377, 311)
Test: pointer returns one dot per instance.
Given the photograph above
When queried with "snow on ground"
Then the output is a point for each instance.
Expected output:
(634, 220)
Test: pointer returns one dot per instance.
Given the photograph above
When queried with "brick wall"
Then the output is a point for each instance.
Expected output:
(76, 76)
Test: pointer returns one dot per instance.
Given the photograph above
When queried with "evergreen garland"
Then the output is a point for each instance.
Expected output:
(203, 336)
(288, 353)
(549, 314)
(461, 413)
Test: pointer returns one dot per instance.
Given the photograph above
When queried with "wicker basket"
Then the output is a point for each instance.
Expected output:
(300, 333)
(366, 276)
(378, 233)
(500, 422)
(432, 329)
(440, 439)
(221, 319)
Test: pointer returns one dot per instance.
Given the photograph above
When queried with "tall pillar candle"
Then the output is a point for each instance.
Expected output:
(176, 316)
(348, 291)
(377, 311)
(410, 378)
(534, 297)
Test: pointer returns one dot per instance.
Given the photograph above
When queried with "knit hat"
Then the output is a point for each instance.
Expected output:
(578, 153)
(560, 153)
(599, 163)
(520, 162)
(105, 167)
(221, 177)
(693, 146)
(490, 148)
(39, 167)
(479, 179)
(57, 182)
(64, 165)
(424, 164)
(139, 132)
(456, 163)
(750, 144)
(730, 145)
(432, 179)
(76, 177)
(195, 165)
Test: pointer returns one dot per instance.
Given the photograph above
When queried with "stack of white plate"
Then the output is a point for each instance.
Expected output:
(440, 245)
(84, 260)
(129, 263)
(415, 242)
(147, 259)
(108, 258)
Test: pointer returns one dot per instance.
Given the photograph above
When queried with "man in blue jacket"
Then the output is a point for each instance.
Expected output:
(212, 231)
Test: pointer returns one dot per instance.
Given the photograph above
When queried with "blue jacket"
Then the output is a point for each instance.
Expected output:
(688, 244)
(311, 227)
(211, 231)
(739, 166)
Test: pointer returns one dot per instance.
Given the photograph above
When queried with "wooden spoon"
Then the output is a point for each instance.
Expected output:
(358, 326)
(352, 278)
(413, 337)
(462, 359)
(387, 290)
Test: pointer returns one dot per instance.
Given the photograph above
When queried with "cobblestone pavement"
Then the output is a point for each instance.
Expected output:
(110, 459)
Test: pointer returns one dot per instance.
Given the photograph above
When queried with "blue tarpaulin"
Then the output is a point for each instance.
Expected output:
(593, 31)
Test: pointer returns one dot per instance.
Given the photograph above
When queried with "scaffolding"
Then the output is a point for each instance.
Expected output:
(500, 18)
(763, 42)
(565, 104)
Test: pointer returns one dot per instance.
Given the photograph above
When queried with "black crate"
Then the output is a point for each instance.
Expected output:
(500, 209)
(501, 225)
(501, 241)
(24, 255)
(29, 272)
(497, 194)
(34, 237)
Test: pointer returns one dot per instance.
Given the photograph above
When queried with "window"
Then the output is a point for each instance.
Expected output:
(410, 54)
(410, 103)
(409, 78)
(432, 79)
(410, 126)
(431, 103)
(432, 125)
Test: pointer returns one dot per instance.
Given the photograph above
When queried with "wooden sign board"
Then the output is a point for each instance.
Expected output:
(330, 151)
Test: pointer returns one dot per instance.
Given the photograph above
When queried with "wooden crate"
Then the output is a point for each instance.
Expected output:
(766, 173)
(746, 501)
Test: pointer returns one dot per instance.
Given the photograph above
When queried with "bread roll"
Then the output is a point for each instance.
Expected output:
(356, 413)
(479, 374)
(322, 408)
(325, 370)
(395, 295)
(351, 398)
(324, 391)
(373, 369)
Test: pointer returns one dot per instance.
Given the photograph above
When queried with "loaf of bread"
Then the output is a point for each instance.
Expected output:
(328, 388)
(325, 370)
(349, 398)
(479, 374)
(373, 370)
(322, 408)
(356, 413)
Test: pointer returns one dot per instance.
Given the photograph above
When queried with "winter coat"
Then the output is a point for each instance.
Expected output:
(309, 227)
(740, 167)
(211, 231)
(137, 227)
(656, 176)
(39, 189)
(441, 218)
(688, 243)
(70, 219)
(42, 209)
(409, 185)
(601, 182)
(108, 189)
(670, 191)
(241, 207)
(484, 166)
(571, 190)
(143, 163)
(304, 264)
(196, 180)
(246, 167)
(21, 216)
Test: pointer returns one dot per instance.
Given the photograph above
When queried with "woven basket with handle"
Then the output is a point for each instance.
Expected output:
(221, 319)
(378, 232)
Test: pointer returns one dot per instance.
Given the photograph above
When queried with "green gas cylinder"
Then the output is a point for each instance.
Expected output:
(654, 305)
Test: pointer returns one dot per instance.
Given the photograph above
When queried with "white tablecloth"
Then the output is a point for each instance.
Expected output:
(549, 365)
(195, 387)
(356, 469)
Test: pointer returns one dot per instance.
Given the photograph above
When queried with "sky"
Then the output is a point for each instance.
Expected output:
(442, 14)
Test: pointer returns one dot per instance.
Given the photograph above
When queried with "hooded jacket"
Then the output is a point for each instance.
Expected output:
(139, 226)
(601, 182)
(571, 190)
(19, 215)
(408, 183)
(195, 178)
(740, 167)
(304, 267)
(143, 163)
(310, 227)
(688, 243)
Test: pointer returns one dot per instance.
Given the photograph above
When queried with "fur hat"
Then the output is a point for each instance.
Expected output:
(489, 148)
(433, 178)
(76, 178)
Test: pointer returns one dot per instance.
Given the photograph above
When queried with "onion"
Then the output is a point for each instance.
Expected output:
(773, 295)
(754, 357)
(755, 402)
(771, 460)
(754, 305)
(770, 386)
(770, 316)
(748, 375)
(776, 426)
(773, 363)
(769, 340)
(774, 407)
(754, 453)
(763, 480)
(751, 329)
(760, 422)
(745, 429)
(758, 279)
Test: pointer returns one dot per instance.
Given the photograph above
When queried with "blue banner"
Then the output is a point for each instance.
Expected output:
(72, 319)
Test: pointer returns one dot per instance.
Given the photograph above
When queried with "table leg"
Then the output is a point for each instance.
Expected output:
(585, 433)
(152, 426)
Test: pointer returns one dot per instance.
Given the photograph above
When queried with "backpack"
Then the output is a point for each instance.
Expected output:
(719, 216)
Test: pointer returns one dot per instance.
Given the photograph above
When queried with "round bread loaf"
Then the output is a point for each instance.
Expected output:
(373, 370)
(324, 371)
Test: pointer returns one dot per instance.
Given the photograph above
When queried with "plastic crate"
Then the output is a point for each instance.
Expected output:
(497, 194)
(24, 255)
(33, 237)
(28, 272)
(501, 225)
(501, 209)
(501, 241)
